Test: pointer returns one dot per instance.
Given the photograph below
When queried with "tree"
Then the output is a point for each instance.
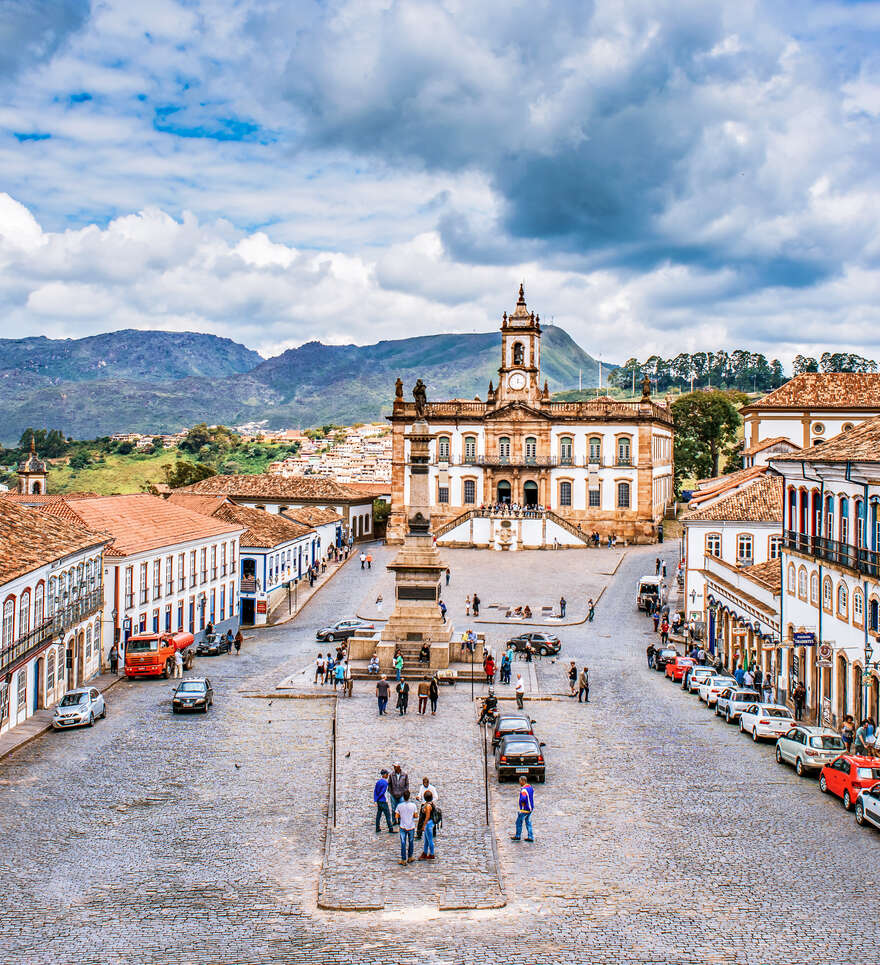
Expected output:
(79, 460)
(184, 473)
(125, 448)
(705, 427)
(804, 363)
(51, 444)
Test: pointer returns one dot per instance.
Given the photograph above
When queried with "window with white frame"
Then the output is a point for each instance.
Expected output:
(531, 448)
(623, 495)
(22, 690)
(39, 604)
(470, 448)
(443, 449)
(827, 592)
(842, 599)
(713, 544)
(129, 587)
(744, 553)
(595, 498)
(774, 550)
(50, 669)
(169, 575)
(24, 613)
(858, 601)
(623, 452)
(181, 571)
(214, 562)
(565, 450)
(157, 578)
(193, 568)
(595, 449)
(802, 583)
(504, 447)
(814, 589)
(8, 625)
(143, 583)
(88, 643)
(443, 494)
(791, 580)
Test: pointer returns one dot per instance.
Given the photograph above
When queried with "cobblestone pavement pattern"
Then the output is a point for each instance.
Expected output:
(662, 835)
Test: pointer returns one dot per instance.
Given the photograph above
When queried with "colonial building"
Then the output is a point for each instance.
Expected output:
(276, 494)
(166, 567)
(51, 598)
(831, 573)
(32, 474)
(601, 465)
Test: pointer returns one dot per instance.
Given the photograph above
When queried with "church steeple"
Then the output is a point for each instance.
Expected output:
(520, 370)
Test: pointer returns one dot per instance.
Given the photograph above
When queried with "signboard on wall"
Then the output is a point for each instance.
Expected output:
(261, 606)
(826, 711)
(804, 638)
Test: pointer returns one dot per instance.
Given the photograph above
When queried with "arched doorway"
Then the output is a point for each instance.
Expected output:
(70, 662)
(81, 658)
(39, 683)
(842, 675)
(530, 493)
(503, 491)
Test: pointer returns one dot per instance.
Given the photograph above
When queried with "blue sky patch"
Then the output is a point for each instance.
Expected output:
(31, 136)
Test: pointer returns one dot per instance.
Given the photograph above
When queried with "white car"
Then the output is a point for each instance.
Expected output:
(868, 806)
(809, 748)
(697, 676)
(765, 720)
(712, 686)
(78, 708)
(732, 701)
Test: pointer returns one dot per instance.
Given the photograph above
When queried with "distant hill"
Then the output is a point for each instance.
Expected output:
(164, 381)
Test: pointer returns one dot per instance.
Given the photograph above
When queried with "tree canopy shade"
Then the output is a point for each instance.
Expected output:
(749, 371)
(706, 424)
(184, 473)
(833, 362)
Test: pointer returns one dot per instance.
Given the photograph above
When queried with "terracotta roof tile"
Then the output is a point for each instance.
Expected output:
(45, 499)
(824, 390)
(759, 501)
(769, 574)
(312, 515)
(141, 522)
(262, 529)
(767, 443)
(711, 483)
(859, 444)
(271, 486)
(206, 505)
(29, 539)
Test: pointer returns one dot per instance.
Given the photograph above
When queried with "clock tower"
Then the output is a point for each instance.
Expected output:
(520, 372)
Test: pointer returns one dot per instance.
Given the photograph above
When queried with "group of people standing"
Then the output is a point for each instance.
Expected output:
(335, 669)
(428, 691)
(579, 683)
(415, 818)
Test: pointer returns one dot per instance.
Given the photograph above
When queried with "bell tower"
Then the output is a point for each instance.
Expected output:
(33, 476)
(519, 376)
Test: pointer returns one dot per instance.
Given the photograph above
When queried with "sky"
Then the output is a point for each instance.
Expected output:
(663, 176)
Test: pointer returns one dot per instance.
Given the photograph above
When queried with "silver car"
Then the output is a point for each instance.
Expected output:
(696, 677)
(711, 687)
(79, 708)
(809, 748)
(732, 702)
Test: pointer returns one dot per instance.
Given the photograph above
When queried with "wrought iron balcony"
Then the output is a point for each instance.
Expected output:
(516, 462)
(833, 551)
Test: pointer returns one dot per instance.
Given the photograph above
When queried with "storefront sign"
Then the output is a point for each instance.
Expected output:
(804, 638)
(825, 650)
(826, 711)
(261, 606)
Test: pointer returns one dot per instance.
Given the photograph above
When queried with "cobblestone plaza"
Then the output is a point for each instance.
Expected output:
(663, 836)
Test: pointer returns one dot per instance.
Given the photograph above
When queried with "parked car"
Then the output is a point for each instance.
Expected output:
(675, 668)
(214, 644)
(520, 754)
(868, 807)
(650, 588)
(511, 724)
(808, 748)
(194, 693)
(732, 701)
(542, 643)
(696, 677)
(663, 657)
(766, 720)
(79, 708)
(848, 776)
(342, 630)
(712, 686)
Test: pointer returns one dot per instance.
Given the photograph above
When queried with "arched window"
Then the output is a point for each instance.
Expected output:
(842, 599)
(504, 448)
(827, 592)
(470, 491)
(470, 448)
(791, 578)
(792, 508)
(7, 628)
(443, 449)
(802, 583)
(531, 448)
(814, 589)
(858, 602)
(88, 642)
(518, 353)
(24, 613)
(874, 614)
(53, 592)
(623, 495)
(843, 527)
(565, 448)
(623, 451)
(829, 518)
(595, 449)
(50, 669)
(565, 494)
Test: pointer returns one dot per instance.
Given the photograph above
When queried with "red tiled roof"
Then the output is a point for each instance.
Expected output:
(767, 443)
(30, 538)
(141, 522)
(769, 574)
(824, 390)
(714, 482)
(206, 505)
(271, 486)
(759, 501)
(859, 444)
(262, 529)
(312, 515)
(45, 499)
(727, 484)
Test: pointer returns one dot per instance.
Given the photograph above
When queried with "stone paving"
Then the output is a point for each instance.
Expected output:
(663, 836)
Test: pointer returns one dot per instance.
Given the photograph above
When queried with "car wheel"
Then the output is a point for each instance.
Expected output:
(104, 712)
(330, 638)
(778, 756)
(860, 813)
(91, 720)
(727, 716)
(542, 778)
(755, 734)
(823, 785)
(799, 767)
(847, 800)
(542, 651)
(168, 667)
(717, 711)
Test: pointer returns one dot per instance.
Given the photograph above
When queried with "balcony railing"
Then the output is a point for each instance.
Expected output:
(833, 551)
(542, 462)
(248, 584)
(54, 626)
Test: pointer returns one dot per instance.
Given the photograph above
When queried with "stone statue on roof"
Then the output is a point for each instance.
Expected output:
(421, 398)
(398, 389)
(646, 387)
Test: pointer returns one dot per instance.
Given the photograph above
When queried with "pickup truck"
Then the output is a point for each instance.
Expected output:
(152, 654)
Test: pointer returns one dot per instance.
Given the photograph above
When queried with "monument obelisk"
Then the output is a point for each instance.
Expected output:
(418, 569)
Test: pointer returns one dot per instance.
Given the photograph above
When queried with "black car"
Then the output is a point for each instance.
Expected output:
(520, 755)
(664, 656)
(342, 630)
(511, 724)
(214, 644)
(541, 643)
(193, 693)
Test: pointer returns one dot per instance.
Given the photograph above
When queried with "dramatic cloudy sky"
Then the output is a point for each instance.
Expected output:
(666, 175)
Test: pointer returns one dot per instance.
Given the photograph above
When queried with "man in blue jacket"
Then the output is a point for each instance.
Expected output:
(526, 806)
(380, 792)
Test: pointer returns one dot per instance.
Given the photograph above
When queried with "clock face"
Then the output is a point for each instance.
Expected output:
(516, 380)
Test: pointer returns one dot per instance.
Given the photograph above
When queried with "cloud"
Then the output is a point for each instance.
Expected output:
(32, 31)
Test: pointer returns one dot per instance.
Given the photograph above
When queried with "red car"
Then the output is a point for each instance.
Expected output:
(848, 775)
(675, 668)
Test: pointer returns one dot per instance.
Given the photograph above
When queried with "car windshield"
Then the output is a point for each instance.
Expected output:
(867, 773)
(827, 742)
(142, 646)
(514, 724)
(777, 712)
(520, 747)
(748, 695)
(191, 686)
(71, 700)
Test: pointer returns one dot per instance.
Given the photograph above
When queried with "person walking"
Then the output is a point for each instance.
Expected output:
(847, 732)
(398, 785)
(663, 569)
(448, 575)
(524, 814)
(519, 690)
(339, 675)
(319, 668)
(650, 651)
(427, 787)
(655, 616)
(369, 561)
(238, 641)
(405, 815)
(113, 657)
(657, 566)
(443, 611)
(798, 695)
(562, 607)
(398, 665)
(349, 680)
(489, 669)
(424, 688)
(476, 605)
(402, 697)
(178, 663)
(591, 610)
(383, 689)
(428, 828)
(467, 605)
(572, 679)
(433, 693)
(860, 738)
(380, 799)
(664, 633)
(363, 559)
(584, 686)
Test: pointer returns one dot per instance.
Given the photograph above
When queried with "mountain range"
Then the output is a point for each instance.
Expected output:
(143, 381)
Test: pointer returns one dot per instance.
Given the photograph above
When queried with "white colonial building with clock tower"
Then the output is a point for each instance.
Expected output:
(520, 471)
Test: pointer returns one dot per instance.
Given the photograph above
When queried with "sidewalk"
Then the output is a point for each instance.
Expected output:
(279, 613)
(41, 721)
